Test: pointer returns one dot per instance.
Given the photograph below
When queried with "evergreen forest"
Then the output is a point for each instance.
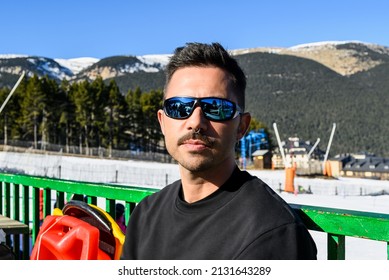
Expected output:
(85, 114)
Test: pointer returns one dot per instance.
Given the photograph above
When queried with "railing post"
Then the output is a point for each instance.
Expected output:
(26, 220)
(336, 247)
(387, 253)
(110, 207)
(130, 206)
(16, 201)
(60, 202)
(46, 202)
(1, 199)
(7, 200)
(91, 200)
(35, 213)
(16, 216)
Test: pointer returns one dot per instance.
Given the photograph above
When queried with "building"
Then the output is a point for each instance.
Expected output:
(307, 158)
(262, 159)
(364, 165)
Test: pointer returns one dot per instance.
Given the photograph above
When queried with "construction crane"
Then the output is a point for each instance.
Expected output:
(326, 164)
(290, 171)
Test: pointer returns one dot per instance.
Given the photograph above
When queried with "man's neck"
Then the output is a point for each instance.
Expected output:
(198, 185)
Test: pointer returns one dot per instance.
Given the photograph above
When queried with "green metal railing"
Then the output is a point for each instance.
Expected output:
(20, 200)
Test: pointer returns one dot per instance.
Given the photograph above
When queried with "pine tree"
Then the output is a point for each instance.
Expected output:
(9, 114)
(99, 94)
(115, 117)
(66, 116)
(50, 116)
(135, 118)
(152, 134)
(82, 100)
(32, 107)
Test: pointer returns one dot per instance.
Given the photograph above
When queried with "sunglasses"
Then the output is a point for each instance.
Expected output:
(214, 108)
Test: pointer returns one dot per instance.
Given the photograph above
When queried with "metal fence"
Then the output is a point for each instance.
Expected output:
(160, 154)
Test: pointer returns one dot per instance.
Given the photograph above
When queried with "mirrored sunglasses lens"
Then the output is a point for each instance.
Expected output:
(217, 109)
(178, 108)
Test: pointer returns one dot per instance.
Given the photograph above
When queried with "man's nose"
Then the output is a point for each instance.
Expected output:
(197, 119)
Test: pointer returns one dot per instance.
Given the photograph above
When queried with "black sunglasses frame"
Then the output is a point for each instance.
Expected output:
(203, 105)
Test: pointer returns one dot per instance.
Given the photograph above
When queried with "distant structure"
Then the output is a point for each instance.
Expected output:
(307, 158)
(254, 147)
(361, 165)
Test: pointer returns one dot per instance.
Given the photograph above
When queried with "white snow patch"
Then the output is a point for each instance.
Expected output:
(76, 65)
(8, 56)
(324, 43)
(151, 59)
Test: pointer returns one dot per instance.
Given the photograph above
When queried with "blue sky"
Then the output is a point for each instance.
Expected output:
(93, 28)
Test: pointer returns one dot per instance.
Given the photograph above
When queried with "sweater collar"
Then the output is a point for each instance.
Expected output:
(217, 199)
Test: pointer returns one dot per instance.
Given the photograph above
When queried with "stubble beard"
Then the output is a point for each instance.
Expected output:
(195, 162)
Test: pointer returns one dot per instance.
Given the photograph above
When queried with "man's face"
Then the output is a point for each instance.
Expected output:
(215, 145)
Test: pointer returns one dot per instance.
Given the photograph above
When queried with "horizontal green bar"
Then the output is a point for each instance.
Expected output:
(110, 191)
(374, 226)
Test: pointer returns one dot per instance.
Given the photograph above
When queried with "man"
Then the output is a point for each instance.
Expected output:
(215, 211)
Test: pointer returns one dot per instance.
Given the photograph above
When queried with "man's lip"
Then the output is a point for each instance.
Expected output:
(194, 142)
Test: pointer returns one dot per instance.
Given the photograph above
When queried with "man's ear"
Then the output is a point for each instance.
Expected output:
(160, 115)
(244, 124)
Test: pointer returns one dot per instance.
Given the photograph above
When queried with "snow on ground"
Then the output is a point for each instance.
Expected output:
(344, 193)
(356, 248)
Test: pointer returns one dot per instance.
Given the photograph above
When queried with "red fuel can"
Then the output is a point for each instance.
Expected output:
(67, 238)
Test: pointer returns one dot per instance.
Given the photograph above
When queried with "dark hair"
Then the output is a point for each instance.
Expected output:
(119, 209)
(199, 54)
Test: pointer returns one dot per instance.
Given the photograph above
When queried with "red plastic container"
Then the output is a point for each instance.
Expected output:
(67, 238)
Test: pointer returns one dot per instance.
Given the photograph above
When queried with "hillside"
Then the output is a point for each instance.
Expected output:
(305, 98)
(345, 58)
(304, 89)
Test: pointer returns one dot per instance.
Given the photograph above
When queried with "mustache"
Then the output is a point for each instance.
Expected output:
(208, 141)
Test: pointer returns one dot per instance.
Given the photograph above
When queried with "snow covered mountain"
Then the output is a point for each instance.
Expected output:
(118, 66)
(76, 65)
(343, 57)
(78, 68)
(41, 66)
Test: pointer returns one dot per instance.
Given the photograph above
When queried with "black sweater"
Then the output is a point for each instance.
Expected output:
(244, 219)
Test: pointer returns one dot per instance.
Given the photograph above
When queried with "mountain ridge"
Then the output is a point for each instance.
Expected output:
(304, 88)
(327, 53)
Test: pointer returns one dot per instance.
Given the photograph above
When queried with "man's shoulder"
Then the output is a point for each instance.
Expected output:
(167, 192)
(256, 186)
(259, 195)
